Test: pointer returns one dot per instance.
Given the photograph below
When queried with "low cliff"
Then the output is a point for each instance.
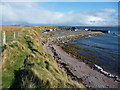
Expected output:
(25, 64)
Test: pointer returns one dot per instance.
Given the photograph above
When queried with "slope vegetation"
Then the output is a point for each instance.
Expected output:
(25, 64)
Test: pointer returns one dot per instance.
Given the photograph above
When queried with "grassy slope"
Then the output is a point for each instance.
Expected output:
(26, 65)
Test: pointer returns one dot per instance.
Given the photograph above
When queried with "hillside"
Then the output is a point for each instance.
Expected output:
(25, 64)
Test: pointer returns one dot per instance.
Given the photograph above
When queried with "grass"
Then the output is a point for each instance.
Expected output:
(25, 64)
(11, 29)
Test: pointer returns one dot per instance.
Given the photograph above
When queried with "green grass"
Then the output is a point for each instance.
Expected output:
(27, 65)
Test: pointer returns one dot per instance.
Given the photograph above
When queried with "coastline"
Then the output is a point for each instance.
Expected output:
(69, 49)
(60, 37)
(80, 71)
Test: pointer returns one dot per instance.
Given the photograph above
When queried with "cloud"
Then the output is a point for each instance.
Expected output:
(32, 13)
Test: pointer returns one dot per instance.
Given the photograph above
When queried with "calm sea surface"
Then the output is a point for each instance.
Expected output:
(104, 48)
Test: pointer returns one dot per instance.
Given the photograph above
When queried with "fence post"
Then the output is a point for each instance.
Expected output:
(14, 36)
(4, 38)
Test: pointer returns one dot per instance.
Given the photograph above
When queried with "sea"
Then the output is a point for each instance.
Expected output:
(104, 50)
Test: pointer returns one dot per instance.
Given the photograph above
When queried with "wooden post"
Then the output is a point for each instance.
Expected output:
(4, 38)
(14, 36)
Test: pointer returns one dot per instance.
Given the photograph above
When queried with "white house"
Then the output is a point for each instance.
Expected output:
(51, 29)
(76, 29)
(86, 29)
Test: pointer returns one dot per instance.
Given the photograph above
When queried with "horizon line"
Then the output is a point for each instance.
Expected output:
(63, 25)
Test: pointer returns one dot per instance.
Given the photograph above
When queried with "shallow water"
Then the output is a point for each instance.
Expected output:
(104, 48)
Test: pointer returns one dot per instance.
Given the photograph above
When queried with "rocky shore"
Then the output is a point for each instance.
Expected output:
(76, 70)
(79, 71)
(58, 37)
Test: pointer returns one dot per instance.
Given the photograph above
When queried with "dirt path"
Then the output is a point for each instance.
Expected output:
(79, 71)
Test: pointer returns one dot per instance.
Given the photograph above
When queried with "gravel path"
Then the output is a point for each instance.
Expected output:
(79, 71)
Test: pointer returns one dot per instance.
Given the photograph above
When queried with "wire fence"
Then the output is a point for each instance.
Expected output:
(7, 38)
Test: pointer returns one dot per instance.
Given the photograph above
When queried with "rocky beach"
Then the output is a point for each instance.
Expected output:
(62, 36)
(76, 69)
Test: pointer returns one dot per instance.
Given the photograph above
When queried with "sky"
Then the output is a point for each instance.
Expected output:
(60, 13)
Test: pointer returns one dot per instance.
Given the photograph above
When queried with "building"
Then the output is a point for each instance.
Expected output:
(86, 29)
(76, 29)
(73, 28)
(51, 29)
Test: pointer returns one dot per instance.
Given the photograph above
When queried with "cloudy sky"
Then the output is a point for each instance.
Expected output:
(60, 13)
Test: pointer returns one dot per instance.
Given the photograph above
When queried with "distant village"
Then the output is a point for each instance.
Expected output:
(70, 29)
(58, 29)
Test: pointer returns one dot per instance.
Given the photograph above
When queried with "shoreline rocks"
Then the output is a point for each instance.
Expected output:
(62, 38)
(79, 71)
(76, 70)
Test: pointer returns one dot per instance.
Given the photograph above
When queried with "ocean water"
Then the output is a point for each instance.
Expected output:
(104, 48)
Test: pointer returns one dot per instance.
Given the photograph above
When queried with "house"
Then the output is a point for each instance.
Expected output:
(73, 28)
(76, 29)
(86, 29)
(51, 29)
